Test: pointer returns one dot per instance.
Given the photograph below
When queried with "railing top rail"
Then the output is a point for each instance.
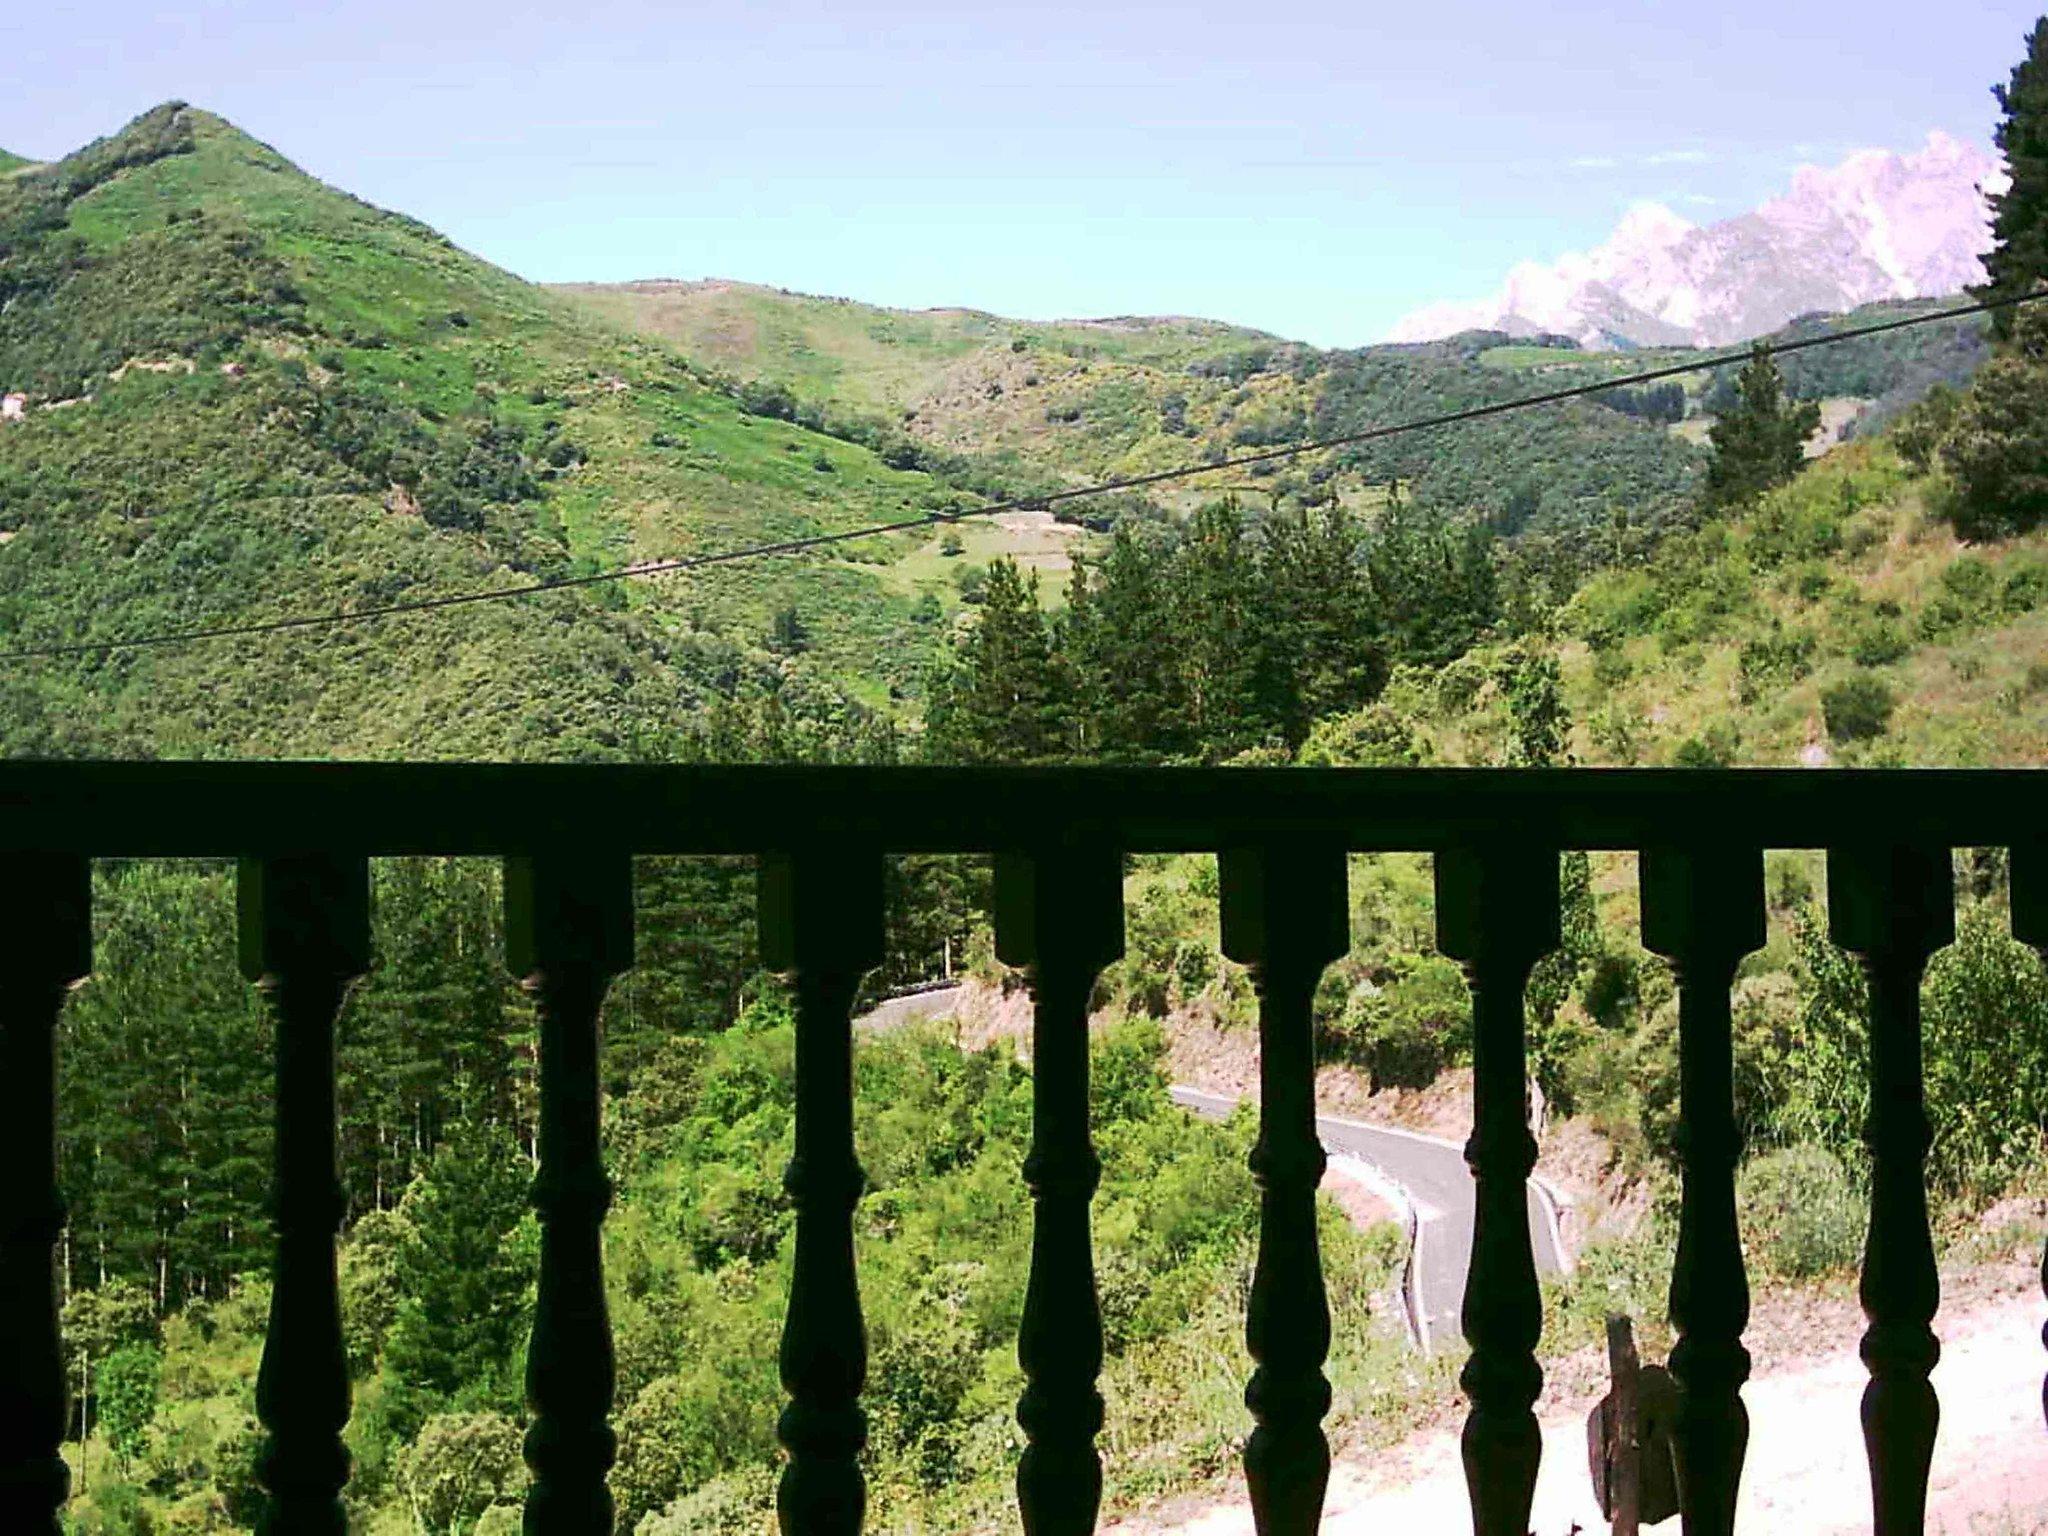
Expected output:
(224, 809)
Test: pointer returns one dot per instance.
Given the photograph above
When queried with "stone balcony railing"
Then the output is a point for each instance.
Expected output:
(304, 834)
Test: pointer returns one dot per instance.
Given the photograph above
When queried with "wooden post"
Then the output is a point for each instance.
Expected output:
(1059, 913)
(305, 937)
(1624, 1429)
(568, 932)
(821, 926)
(1286, 916)
(1893, 906)
(45, 946)
(1497, 912)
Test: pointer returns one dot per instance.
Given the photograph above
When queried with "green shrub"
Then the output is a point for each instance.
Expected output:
(1878, 642)
(1773, 662)
(665, 1447)
(1715, 747)
(129, 1382)
(2026, 586)
(1611, 666)
(1986, 1053)
(1925, 426)
(1613, 605)
(1617, 735)
(739, 1504)
(1813, 581)
(1373, 737)
(459, 1466)
(1858, 708)
(1408, 1026)
(1801, 1214)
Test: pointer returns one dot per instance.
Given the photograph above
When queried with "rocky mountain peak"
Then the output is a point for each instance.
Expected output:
(1878, 225)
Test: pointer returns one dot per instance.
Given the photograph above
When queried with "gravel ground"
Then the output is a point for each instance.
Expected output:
(1806, 1469)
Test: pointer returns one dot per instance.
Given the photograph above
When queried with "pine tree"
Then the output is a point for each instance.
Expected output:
(423, 1042)
(999, 698)
(694, 953)
(1212, 587)
(1760, 441)
(164, 1098)
(464, 1277)
(2018, 261)
(1320, 650)
(1434, 587)
(1996, 449)
(1118, 641)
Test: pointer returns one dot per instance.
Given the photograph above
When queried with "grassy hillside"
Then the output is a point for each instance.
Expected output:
(1841, 623)
(869, 356)
(1073, 401)
(10, 162)
(252, 395)
(1079, 400)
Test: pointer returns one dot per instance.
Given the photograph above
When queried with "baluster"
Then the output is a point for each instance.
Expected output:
(1285, 916)
(305, 936)
(45, 946)
(1497, 914)
(1703, 910)
(2029, 889)
(568, 932)
(1893, 907)
(821, 925)
(1059, 912)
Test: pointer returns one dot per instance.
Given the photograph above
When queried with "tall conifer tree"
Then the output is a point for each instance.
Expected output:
(999, 697)
(1215, 607)
(1321, 650)
(1120, 645)
(1761, 441)
(2019, 260)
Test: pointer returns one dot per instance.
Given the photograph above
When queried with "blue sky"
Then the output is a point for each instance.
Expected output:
(1316, 170)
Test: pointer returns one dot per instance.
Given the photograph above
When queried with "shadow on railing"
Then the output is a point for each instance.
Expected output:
(305, 834)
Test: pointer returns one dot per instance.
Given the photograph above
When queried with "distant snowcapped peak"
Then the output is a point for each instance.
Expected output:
(1649, 226)
(1878, 225)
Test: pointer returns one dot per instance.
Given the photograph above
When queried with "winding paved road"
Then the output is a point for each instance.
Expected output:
(1428, 1172)
(1432, 1175)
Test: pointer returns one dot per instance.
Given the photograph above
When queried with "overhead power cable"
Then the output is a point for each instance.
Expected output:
(1017, 504)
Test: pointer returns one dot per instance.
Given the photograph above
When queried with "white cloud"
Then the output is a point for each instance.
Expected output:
(1679, 157)
(1595, 163)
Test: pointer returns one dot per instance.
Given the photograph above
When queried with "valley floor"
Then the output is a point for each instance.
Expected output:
(1806, 1470)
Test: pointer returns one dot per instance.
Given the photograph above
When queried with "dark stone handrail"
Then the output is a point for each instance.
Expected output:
(235, 809)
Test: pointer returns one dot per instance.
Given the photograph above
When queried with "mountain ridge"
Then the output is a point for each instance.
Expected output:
(247, 393)
(715, 285)
(1876, 226)
(284, 400)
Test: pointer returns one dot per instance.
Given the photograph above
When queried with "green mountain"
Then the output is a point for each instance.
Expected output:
(11, 162)
(251, 395)
(863, 355)
(1073, 401)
